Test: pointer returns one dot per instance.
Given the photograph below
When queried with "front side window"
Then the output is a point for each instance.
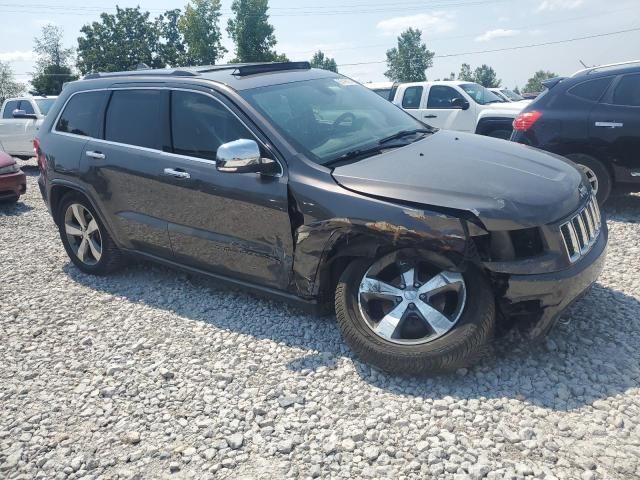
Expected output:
(140, 118)
(591, 90)
(9, 108)
(441, 96)
(82, 114)
(27, 107)
(412, 97)
(329, 117)
(628, 91)
(45, 104)
(479, 94)
(511, 95)
(200, 125)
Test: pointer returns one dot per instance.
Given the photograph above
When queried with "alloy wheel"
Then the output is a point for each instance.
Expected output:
(83, 234)
(410, 303)
(591, 176)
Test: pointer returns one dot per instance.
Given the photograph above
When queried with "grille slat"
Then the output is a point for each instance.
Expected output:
(581, 231)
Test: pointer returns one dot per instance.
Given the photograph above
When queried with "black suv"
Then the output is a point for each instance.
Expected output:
(592, 118)
(304, 184)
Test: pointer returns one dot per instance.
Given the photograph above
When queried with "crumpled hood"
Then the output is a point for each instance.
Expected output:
(506, 185)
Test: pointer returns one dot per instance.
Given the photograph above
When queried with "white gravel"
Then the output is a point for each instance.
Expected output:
(151, 373)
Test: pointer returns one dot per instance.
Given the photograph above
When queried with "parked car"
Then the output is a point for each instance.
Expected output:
(305, 185)
(592, 118)
(13, 181)
(461, 106)
(20, 119)
(510, 96)
(530, 95)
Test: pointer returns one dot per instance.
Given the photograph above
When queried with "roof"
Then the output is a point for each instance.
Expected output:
(239, 76)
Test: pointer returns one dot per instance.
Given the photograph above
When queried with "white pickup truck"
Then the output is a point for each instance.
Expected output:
(454, 105)
(20, 119)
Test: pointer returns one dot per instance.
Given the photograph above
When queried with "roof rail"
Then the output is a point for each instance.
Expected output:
(252, 69)
(150, 72)
(601, 68)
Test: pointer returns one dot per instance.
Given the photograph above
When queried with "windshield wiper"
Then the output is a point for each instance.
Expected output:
(403, 133)
(354, 154)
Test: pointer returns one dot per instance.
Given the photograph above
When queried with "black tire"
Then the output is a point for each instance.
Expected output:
(466, 344)
(601, 172)
(111, 259)
(499, 133)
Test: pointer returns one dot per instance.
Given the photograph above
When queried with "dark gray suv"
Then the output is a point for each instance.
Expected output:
(305, 185)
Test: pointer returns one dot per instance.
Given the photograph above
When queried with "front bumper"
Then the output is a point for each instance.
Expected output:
(13, 185)
(540, 299)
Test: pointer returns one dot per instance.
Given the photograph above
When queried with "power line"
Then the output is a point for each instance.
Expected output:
(519, 47)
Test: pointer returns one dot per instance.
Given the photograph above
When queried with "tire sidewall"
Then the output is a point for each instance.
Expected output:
(601, 172)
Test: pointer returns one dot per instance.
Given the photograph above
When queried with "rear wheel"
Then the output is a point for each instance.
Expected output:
(85, 238)
(409, 316)
(597, 174)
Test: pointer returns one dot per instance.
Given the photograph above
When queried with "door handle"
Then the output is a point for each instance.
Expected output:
(96, 155)
(173, 172)
(609, 124)
(430, 116)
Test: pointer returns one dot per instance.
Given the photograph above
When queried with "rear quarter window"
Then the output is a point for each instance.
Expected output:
(82, 114)
(592, 90)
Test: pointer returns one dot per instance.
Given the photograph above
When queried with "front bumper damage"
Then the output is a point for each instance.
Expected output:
(535, 302)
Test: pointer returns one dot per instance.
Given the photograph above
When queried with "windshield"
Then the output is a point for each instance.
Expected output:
(329, 117)
(44, 104)
(513, 96)
(480, 94)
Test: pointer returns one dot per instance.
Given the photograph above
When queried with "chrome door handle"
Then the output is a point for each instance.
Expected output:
(172, 172)
(96, 155)
(609, 124)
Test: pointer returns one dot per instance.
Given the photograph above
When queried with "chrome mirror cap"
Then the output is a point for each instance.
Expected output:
(243, 156)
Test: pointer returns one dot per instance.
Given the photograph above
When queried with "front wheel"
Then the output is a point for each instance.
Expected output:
(597, 174)
(406, 315)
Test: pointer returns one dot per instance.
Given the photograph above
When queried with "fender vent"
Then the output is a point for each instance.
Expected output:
(581, 232)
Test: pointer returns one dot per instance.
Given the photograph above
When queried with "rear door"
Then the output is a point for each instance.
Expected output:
(615, 122)
(411, 100)
(440, 112)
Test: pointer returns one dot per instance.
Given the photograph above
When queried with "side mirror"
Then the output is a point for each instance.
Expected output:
(460, 103)
(23, 114)
(243, 156)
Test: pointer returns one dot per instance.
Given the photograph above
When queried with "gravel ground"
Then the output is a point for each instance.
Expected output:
(151, 374)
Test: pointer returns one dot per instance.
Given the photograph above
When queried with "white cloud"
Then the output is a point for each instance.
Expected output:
(550, 5)
(437, 22)
(17, 56)
(497, 33)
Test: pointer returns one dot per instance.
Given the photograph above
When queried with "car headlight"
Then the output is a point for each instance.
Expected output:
(9, 169)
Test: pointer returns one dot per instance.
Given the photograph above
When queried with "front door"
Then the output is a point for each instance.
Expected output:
(16, 134)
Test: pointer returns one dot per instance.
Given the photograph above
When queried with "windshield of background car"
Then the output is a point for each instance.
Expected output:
(480, 94)
(326, 118)
(45, 104)
(513, 96)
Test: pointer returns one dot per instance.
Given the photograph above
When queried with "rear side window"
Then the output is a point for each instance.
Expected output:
(140, 118)
(628, 91)
(82, 114)
(200, 125)
(441, 96)
(412, 97)
(591, 90)
(9, 108)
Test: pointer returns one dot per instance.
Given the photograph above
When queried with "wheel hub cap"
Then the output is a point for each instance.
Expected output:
(83, 234)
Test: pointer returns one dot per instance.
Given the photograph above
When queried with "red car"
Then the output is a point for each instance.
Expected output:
(13, 181)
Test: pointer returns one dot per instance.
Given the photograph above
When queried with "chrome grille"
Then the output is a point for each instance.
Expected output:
(582, 230)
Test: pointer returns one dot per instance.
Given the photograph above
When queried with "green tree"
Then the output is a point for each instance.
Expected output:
(53, 67)
(320, 60)
(119, 42)
(516, 90)
(252, 33)
(200, 27)
(8, 85)
(466, 75)
(409, 61)
(534, 84)
(171, 44)
(486, 76)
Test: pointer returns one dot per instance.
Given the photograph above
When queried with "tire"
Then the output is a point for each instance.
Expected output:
(595, 167)
(463, 345)
(502, 134)
(110, 257)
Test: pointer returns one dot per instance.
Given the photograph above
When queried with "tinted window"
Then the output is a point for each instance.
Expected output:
(412, 96)
(200, 125)
(628, 91)
(9, 108)
(27, 107)
(591, 90)
(440, 96)
(139, 117)
(384, 93)
(44, 104)
(82, 114)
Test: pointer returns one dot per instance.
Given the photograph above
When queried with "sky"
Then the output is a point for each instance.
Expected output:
(360, 32)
